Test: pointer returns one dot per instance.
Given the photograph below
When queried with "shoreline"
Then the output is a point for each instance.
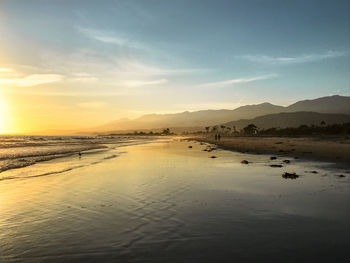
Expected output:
(24, 154)
(320, 149)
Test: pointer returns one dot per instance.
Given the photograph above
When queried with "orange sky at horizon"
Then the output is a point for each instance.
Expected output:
(27, 114)
(75, 65)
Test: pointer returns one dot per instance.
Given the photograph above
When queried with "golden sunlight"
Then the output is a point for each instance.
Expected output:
(2, 115)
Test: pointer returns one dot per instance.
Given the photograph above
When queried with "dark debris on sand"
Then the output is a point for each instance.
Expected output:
(276, 165)
(340, 175)
(290, 175)
(312, 172)
(209, 149)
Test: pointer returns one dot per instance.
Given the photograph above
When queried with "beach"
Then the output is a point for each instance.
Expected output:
(148, 131)
(167, 200)
(22, 151)
(332, 149)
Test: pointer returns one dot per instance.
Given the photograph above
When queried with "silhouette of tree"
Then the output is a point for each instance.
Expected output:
(309, 130)
(235, 130)
(251, 129)
(166, 131)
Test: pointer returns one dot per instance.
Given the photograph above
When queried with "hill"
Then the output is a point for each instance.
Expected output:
(290, 119)
(330, 104)
(191, 119)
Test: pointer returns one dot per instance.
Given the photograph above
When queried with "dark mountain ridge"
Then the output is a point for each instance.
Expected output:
(291, 120)
(331, 104)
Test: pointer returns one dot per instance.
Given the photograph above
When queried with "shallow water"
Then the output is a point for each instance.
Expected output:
(22, 151)
(165, 202)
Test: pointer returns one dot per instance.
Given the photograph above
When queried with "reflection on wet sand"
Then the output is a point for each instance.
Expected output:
(166, 202)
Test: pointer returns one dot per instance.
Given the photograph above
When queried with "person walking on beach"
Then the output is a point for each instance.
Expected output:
(219, 137)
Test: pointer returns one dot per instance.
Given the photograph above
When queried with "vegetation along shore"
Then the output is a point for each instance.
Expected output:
(319, 148)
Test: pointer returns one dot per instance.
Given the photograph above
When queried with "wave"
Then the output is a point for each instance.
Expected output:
(110, 157)
(16, 163)
(22, 151)
(44, 174)
(62, 170)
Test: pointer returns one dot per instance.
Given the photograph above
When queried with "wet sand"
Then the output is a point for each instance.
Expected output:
(166, 202)
(323, 149)
(21, 151)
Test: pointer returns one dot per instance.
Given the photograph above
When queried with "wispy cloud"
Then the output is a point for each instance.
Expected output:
(92, 104)
(82, 77)
(5, 70)
(293, 60)
(138, 83)
(109, 37)
(232, 82)
(137, 67)
(92, 94)
(88, 66)
(9, 77)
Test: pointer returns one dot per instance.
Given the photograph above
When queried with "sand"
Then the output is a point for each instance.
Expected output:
(162, 201)
(323, 149)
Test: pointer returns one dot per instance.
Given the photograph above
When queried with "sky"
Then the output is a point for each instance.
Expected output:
(77, 64)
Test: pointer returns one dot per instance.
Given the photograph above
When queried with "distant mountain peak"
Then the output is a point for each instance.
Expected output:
(330, 104)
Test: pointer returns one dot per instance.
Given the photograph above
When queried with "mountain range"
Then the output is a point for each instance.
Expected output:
(331, 109)
(291, 119)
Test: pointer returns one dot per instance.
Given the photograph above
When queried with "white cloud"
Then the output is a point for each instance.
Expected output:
(136, 67)
(89, 66)
(231, 82)
(5, 70)
(293, 60)
(137, 83)
(82, 77)
(92, 94)
(9, 77)
(8, 73)
(124, 64)
(109, 37)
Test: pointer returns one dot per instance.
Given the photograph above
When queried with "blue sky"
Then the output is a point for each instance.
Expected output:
(125, 58)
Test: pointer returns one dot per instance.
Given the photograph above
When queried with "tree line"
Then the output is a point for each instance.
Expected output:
(253, 130)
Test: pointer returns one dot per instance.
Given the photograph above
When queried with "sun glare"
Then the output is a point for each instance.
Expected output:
(2, 114)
